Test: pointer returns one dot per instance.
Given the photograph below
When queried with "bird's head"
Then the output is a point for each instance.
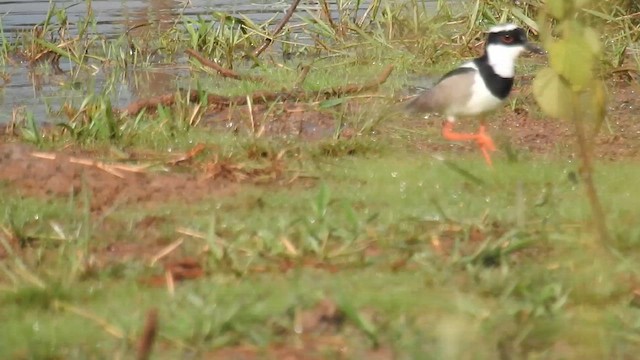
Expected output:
(504, 44)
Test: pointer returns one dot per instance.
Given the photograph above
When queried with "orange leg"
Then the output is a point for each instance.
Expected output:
(482, 139)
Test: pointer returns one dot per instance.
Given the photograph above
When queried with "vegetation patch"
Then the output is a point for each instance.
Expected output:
(271, 200)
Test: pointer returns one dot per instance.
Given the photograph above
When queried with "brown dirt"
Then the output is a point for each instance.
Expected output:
(61, 176)
(300, 121)
(304, 348)
(619, 141)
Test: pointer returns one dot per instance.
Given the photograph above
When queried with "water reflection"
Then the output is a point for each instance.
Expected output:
(156, 17)
(114, 17)
(149, 82)
(41, 88)
(159, 14)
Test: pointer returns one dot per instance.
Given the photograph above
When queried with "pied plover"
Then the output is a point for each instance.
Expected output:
(478, 86)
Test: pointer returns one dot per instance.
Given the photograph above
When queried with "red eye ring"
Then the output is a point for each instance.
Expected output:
(507, 39)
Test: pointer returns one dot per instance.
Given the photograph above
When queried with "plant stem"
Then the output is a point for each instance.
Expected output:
(586, 157)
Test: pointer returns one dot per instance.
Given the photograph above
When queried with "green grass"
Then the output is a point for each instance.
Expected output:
(538, 289)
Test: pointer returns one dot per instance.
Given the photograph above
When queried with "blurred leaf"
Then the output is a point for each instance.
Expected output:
(593, 39)
(559, 8)
(581, 3)
(573, 59)
(551, 93)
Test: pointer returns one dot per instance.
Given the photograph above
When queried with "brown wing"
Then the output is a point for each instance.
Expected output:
(454, 89)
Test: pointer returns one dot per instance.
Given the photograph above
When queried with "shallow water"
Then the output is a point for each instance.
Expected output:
(115, 16)
(39, 92)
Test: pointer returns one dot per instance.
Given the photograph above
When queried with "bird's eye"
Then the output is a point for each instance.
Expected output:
(507, 39)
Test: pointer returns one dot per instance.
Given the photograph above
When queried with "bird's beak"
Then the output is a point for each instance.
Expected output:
(534, 48)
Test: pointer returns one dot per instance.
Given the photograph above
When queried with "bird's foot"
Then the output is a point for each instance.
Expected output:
(481, 138)
(485, 143)
(449, 134)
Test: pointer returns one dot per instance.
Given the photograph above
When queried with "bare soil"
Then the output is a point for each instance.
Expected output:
(63, 174)
(299, 121)
(520, 131)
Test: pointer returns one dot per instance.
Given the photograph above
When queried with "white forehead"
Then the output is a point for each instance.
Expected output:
(503, 27)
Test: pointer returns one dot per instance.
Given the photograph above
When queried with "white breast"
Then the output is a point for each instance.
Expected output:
(481, 100)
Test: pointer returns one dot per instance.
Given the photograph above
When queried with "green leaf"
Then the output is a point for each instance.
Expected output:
(600, 14)
(322, 201)
(332, 102)
(59, 50)
(552, 94)
(573, 59)
(518, 14)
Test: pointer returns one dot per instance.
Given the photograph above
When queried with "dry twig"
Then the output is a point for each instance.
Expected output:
(302, 76)
(278, 29)
(259, 97)
(148, 335)
(113, 169)
(193, 152)
(228, 73)
(166, 251)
